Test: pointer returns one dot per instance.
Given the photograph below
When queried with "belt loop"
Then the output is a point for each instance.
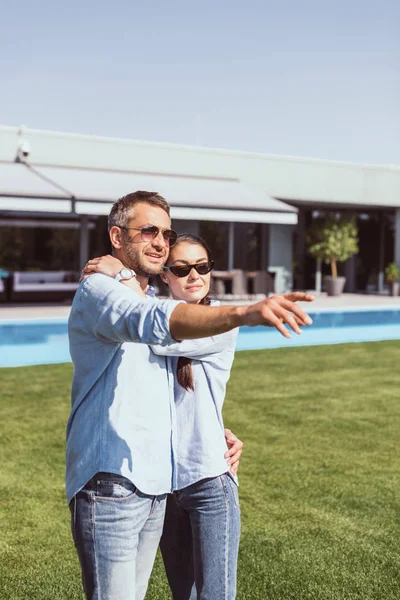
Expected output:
(153, 505)
(91, 484)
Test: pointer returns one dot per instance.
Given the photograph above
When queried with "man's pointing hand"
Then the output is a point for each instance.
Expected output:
(278, 311)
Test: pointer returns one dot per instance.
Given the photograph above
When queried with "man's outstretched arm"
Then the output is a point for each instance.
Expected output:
(195, 321)
(191, 321)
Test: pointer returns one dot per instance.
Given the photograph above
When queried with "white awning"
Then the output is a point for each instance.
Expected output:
(17, 179)
(17, 204)
(87, 184)
(93, 193)
(22, 190)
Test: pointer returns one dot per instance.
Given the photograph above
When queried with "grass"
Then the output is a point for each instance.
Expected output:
(319, 477)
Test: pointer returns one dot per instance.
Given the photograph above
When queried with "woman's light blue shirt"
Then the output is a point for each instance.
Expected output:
(198, 433)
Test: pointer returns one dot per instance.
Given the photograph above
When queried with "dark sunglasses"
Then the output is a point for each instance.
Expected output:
(150, 232)
(184, 270)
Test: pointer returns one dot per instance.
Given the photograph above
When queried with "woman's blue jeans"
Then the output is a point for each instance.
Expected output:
(116, 531)
(200, 540)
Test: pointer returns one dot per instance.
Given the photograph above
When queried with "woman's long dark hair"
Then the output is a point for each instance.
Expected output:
(184, 369)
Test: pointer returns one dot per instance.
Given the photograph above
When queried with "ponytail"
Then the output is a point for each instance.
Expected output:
(184, 370)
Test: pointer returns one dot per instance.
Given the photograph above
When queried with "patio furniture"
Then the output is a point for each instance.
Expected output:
(242, 285)
(43, 285)
(232, 284)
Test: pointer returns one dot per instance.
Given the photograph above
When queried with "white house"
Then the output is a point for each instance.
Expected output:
(50, 178)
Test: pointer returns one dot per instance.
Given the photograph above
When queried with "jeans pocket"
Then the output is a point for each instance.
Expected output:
(114, 488)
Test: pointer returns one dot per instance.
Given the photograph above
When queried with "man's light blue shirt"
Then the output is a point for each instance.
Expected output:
(121, 416)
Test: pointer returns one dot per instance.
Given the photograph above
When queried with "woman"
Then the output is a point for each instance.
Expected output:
(201, 534)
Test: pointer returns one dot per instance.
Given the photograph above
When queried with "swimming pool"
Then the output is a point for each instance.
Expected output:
(45, 341)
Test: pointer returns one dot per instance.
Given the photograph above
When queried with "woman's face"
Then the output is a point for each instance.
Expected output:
(194, 287)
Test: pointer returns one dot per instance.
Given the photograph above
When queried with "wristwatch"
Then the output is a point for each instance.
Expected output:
(125, 274)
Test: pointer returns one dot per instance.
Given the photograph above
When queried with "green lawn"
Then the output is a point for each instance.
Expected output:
(319, 477)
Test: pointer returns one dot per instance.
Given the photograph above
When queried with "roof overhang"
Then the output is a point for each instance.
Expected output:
(233, 216)
(292, 179)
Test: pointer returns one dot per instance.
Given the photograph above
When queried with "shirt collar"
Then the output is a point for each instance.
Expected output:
(150, 291)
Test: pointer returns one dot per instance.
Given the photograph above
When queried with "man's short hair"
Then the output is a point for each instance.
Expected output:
(122, 210)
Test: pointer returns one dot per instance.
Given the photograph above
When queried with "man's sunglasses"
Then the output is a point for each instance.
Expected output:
(184, 270)
(150, 232)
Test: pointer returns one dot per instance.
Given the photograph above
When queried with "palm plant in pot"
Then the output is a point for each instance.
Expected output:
(333, 239)
(392, 278)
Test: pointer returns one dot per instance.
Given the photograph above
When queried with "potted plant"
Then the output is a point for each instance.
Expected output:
(392, 278)
(333, 239)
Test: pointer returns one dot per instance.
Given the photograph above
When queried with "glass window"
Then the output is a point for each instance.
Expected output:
(247, 246)
(217, 237)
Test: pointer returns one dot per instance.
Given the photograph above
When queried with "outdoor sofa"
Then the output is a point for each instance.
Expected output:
(43, 286)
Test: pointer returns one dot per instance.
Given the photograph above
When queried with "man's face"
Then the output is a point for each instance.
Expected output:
(145, 257)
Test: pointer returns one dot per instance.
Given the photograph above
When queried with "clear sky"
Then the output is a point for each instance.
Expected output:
(300, 77)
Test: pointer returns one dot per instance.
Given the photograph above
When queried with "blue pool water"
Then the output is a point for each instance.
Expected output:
(33, 342)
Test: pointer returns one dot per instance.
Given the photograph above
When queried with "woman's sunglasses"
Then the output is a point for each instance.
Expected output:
(184, 270)
(150, 232)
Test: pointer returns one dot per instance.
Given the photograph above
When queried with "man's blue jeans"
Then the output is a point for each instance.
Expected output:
(116, 531)
(200, 540)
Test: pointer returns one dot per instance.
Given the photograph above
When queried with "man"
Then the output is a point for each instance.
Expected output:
(120, 454)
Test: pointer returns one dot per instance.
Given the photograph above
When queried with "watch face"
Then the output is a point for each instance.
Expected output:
(127, 273)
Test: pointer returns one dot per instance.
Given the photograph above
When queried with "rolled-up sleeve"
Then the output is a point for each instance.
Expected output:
(113, 313)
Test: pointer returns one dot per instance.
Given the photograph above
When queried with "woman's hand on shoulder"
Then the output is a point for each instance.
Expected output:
(107, 265)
